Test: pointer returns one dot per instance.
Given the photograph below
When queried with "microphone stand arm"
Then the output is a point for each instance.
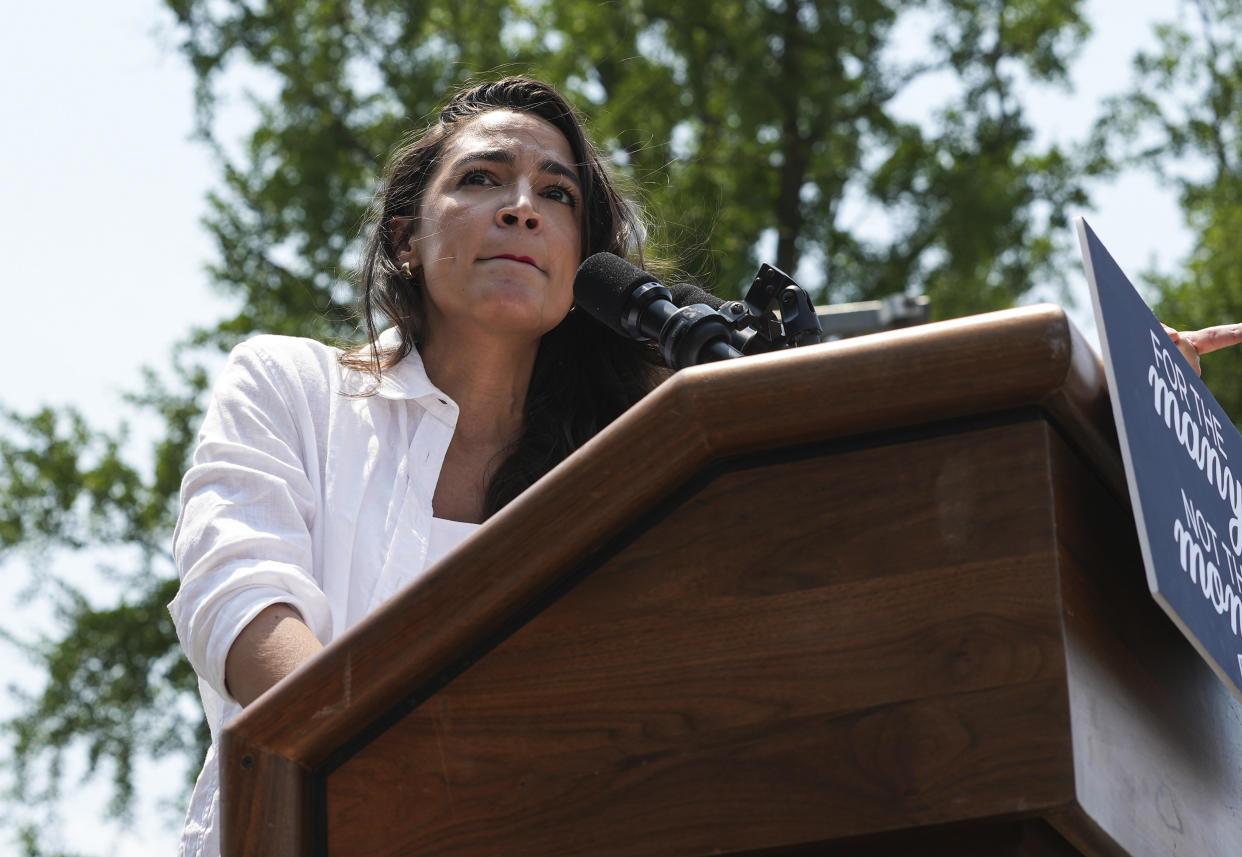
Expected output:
(754, 325)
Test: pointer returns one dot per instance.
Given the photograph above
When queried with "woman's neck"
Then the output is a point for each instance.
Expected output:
(488, 379)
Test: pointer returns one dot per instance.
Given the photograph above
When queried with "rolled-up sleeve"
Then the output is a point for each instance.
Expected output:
(248, 502)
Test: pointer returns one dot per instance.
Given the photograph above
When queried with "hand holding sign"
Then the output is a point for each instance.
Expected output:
(1193, 343)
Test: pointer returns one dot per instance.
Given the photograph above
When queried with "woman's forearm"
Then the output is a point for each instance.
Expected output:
(274, 644)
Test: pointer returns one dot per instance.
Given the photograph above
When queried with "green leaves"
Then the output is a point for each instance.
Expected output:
(63, 483)
(1183, 122)
(114, 681)
(117, 684)
(732, 120)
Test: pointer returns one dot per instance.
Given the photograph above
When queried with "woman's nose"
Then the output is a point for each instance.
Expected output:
(510, 218)
(519, 210)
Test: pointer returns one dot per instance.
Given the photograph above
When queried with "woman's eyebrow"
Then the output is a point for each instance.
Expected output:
(556, 168)
(504, 156)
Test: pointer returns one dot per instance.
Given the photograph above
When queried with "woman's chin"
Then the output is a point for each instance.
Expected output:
(516, 311)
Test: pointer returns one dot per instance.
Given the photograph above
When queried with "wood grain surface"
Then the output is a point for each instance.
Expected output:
(1030, 837)
(880, 652)
(901, 379)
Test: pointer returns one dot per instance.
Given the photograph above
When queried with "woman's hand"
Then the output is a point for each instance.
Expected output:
(1193, 343)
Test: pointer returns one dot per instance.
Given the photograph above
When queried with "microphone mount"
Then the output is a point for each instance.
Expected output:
(754, 325)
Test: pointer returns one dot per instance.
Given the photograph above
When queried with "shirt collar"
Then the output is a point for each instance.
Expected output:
(408, 379)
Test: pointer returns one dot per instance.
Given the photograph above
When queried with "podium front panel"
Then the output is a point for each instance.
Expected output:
(875, 644)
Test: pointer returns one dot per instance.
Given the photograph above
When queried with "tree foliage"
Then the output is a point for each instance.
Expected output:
(731, 117)
(878, 145)
(1183, 122)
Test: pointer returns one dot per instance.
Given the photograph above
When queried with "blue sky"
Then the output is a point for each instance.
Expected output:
(103, 190)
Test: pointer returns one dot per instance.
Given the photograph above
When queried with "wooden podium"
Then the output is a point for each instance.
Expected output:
(873, 597)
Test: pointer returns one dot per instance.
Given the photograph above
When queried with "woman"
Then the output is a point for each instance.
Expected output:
(323, 482)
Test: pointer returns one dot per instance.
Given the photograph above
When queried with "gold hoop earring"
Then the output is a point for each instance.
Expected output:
(406, 272)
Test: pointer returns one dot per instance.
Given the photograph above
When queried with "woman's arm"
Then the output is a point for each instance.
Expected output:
(243, 543)
(274, 644)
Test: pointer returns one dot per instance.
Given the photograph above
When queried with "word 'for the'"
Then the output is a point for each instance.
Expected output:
(1198, 432)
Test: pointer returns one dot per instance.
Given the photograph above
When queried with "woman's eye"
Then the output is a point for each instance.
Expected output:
(558, 193)
(477, 177)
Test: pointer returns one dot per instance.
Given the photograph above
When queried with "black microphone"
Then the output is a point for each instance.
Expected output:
(619, 295)
(685, 294)
(633, 303)
(748, 332)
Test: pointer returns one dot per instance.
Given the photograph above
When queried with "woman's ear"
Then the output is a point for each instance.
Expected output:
(401, 233)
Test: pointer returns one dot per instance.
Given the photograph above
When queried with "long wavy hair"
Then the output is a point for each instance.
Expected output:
(584, 375)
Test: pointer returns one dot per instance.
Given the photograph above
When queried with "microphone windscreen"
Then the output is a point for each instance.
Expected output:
(685, 294)
(603, 286)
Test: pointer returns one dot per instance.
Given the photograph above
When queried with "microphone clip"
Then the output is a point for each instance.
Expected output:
(756, 326)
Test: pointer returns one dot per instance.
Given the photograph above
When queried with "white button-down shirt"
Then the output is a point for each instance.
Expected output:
(305, 491)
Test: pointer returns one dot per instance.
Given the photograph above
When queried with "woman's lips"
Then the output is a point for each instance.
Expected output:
(526, 259)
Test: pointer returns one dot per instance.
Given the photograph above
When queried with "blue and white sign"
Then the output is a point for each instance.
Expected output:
(1183, 460)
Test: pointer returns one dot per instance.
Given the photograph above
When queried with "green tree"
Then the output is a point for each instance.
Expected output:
(1183, 122)
(732, 120)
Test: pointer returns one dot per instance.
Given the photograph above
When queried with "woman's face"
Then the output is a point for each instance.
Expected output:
(499, 236)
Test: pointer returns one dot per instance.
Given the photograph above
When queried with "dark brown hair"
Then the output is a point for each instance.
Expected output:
(584, 375)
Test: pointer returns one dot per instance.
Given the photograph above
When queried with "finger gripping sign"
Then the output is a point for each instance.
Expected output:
(1183, 461)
